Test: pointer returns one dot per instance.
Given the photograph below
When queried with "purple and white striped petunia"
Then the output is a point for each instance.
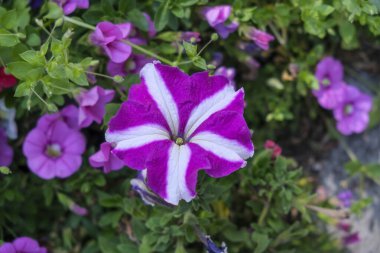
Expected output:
(174, 125)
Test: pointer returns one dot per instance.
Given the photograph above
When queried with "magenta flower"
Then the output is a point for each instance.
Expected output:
(217, 16)
(69, 6)
(329, 73)
(22, 245)
(174, 125)
(104, 158)
(352, 114)
(351, 239)
(229, 73)
(274, 147)
(132, 66)
(53, 149)
(261, 38)
(92, 105)
(6, 154)
(109, 36)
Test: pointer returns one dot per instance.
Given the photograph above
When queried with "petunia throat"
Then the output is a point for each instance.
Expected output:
(53, 150)
(179, 141)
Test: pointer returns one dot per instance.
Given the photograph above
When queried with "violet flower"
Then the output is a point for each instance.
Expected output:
(69, 6)
(6, 154)
(329, 73)
(352, 114)
(109, 37)
(131, 66)
(229, 73)
(212, 248)
(261, 38)
(92, 105)
(217, 59)
(217, 16)
(35, 4)
(174, 125)
(22, 245)
(7, 120)
(345, 198)
(351, 239)
(53, 149)
(104, 158)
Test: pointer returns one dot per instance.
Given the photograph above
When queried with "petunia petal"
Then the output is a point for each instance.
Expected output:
(161, 95)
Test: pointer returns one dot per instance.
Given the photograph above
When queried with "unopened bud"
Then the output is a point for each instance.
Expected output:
(118, 79)
(59, 22)
(210, 66)
(214, 36)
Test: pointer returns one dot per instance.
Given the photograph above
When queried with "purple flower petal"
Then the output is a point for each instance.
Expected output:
(104, 158)
(174, 132)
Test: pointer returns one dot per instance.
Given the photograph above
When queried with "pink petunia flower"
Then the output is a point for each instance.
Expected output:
(69, 6)
(22, 245)
(217, 16)
(109, 37)
(274, 147)
(261, 38)
(352, 114)
(92, 105)
(6, 80)
(104, 158)
(229, 73)
(329, 73)
(78, 210)
(174, 125)
(53, 149)
(6, 154)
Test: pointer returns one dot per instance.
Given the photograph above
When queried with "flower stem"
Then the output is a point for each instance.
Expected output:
(277, 34)
(133, 45)
(264, 212)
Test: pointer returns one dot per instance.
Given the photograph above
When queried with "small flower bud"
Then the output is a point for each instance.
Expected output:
(210, 66)
(214, 36)
(59, 22)
(39, 22)
(118, 79)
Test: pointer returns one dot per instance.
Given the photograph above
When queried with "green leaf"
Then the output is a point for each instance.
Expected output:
(262, 242)
(20, 69)
(55, 12)
(111, 110)
(9, 20)
(138, 19)
(23, 89)
(347, 31)
(200, 63)
(33, 57)
(161, 18)
(373, 172)
(191, 50)
(8, 39)
(111, 218)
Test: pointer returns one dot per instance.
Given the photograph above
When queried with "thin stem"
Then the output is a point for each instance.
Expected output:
(98, 74)
(338, 214)
(78, 23)
(276, 34)
(204, 47)
(121, 93)
(37, 95)
(264, 212)
(147, 52)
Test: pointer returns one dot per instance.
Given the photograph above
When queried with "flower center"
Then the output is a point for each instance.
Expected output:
(326, 82)
(179, 141)
(53, 150)
(348, 109)
(131, 65)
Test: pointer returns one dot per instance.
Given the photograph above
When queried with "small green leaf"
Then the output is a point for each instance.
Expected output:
(33, 57)
(161, 18)
(8, 39)
(55, 12)
(262, 241)
(138, 19)
(20, 69)
(5, 170)
(191, 50)
(200, 63)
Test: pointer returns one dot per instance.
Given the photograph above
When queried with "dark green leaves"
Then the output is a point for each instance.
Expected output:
(138, 19)
(162, 16)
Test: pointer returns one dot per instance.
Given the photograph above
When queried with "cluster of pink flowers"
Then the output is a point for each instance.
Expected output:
(22, 245)
(55, 146)
(350, 106)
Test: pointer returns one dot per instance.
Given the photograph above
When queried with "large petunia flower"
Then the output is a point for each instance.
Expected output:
(53, 149)
(92, 105)
(329, 73)
(352, 115)
(109, 37)
(22, 245)
(175, 125)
